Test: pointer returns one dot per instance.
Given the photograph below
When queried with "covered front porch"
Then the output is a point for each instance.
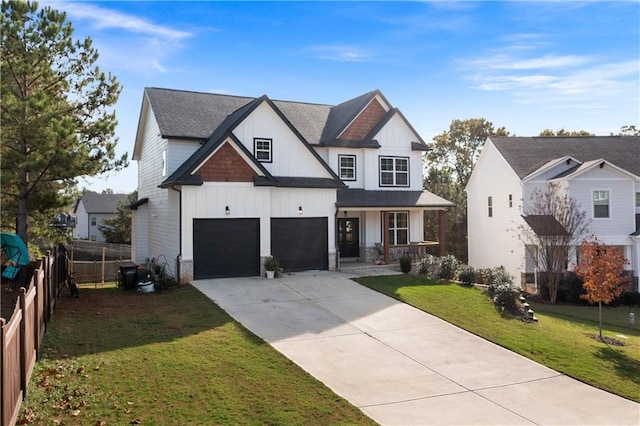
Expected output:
(378, 227)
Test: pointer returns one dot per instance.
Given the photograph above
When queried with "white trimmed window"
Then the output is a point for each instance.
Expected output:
(93, 221)
(398, 228)
(600, 204)
(262, 149)
(347, 167)
(490, 206)
(394, 171)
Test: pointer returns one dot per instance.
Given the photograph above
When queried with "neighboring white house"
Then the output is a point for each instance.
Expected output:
(226, 181)
(602, 173)
(91, 210)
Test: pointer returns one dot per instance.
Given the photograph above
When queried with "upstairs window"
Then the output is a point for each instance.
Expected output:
(600, 204)
(164, 162)
(262, 149)
(93, 221)
(490, 206)
(638, 202)
(398, 228)
(347, 167)
(394, 171)
(510, 200)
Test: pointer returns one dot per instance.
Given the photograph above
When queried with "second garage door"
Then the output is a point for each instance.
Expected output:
(300, 244)
(226, 248)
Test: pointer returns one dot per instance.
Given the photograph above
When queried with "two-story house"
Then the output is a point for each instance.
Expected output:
(602, 173)
(226, 181)
(91, 210)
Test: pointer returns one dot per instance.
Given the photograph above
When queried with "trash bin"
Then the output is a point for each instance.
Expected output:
(129, 275)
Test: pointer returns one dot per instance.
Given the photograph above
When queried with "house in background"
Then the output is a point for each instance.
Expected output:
(91, 210)
(226, 181)
(602, 173)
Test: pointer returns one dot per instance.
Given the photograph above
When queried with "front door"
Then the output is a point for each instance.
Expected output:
(348, 237)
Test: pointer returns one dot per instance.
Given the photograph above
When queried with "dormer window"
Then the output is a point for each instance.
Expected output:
(394, 171)
(262, 149)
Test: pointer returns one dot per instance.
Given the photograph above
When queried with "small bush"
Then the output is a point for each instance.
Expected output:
(629, 298)
(500, 288)
(405, 263)
(429, 266)
(448, 267)
(466, 274)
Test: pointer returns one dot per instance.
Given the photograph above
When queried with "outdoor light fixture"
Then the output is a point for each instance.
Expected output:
(227, 211)
(300, 210)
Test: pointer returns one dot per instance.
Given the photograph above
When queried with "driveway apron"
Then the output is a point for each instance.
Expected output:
(402, 366)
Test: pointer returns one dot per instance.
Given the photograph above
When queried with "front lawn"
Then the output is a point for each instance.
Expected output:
(561, 343)
(115, 357)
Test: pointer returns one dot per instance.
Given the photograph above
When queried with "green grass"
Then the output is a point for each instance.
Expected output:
(115, 357)
(559, 342)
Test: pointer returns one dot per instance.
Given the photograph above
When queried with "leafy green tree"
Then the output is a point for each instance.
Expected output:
(563, 132)
(118, 229)
(57, 115)
(449, 165)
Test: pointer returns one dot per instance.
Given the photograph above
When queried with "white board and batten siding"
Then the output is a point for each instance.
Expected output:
(247, 201)
(289, 155)
(489, 244)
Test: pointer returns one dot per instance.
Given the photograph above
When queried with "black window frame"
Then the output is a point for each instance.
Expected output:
(394, 172)
(256, 150)
(347, 156)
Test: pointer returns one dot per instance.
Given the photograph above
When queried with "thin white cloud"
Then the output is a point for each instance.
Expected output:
(103, 18)
(341, 53)
(550, 79)
(137, 44)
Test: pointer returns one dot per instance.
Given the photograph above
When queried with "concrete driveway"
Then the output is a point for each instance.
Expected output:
(400, 365)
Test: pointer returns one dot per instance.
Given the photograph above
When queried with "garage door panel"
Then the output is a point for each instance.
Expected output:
(226, 248)
(300, 243)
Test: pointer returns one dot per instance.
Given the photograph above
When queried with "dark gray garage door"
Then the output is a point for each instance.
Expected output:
(300, 244)
(226, 248)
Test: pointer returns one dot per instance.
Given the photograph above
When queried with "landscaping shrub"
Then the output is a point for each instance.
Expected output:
(429, 266)
(500, 289)
(571, 289)
(466, 274)
(448, 267)
(628, 298)
(405, 263)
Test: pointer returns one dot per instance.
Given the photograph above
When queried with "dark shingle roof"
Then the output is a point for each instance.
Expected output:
(101, 203)
(405, 199)
(545, 225)
(527, 154)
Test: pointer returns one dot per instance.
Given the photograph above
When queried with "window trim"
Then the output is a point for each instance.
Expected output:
(395, 229)
(395, 172)
(256, 150)
(608, 205)
(340, 157)
(490, 206)
(165, 167)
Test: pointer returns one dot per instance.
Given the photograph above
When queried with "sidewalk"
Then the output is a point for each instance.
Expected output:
(403, 366)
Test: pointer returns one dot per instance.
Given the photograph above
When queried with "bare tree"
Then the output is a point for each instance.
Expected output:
(554, 226)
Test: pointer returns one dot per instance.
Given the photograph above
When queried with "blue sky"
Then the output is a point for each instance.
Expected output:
(526, 66)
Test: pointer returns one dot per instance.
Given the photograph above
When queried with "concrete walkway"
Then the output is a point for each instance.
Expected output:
(400, 365)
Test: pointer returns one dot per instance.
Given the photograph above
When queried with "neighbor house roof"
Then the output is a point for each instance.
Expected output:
(101, 203)
(525, 155)
(396, 199)
(545, 225)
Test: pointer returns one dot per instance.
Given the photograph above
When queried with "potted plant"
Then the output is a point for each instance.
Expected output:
(271, 265)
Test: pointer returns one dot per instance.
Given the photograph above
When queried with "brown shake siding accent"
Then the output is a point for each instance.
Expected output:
(226, 165)
(363, 124)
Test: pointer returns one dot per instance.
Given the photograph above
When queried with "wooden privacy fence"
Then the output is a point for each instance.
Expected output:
(21, 336)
